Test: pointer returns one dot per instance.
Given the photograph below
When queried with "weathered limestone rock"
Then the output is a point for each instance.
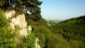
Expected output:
(10, 14)
(17, 21)
(36, 43)
(29, 29)
(20, 21)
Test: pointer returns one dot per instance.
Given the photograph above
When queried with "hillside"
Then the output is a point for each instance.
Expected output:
(65, 34)
(73, 30)
(41, 36)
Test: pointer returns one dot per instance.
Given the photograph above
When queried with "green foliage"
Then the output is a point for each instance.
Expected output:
(6, 37)
(3, 20)
(27, 42)
(33, 17)
(73, 31)
(47, 39)
(6, 34)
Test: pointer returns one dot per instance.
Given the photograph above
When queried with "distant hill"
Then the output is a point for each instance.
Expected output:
(72, 30)
(56, 21)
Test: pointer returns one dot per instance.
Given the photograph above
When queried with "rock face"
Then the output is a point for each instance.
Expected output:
(37, 43)
(18, 21)
(29, 29)
(9, 14)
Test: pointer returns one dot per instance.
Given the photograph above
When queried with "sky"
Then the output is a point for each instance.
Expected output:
(62, 9)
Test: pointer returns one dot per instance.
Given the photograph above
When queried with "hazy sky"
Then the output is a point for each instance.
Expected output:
(62, 9)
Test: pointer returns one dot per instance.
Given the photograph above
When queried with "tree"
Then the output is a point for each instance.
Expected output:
(25, 6)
